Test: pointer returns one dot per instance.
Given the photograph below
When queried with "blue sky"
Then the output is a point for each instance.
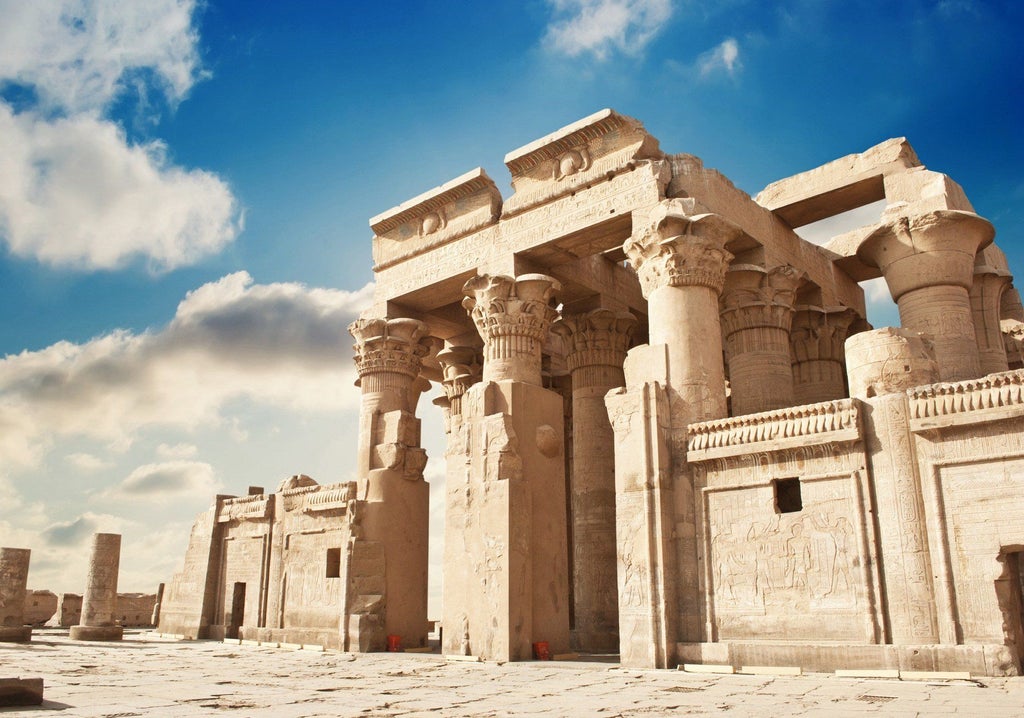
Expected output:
(185, 189)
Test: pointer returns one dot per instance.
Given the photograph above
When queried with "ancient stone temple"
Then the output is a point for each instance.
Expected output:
(671, 432)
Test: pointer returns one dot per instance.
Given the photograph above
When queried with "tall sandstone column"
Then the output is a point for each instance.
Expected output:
(388, 562)
(505, 496)
(679, 378)
(757, 314)
(13, 584)
(928, 262)
(817, 340)
(597, 344)
(882, 365)
(100, 598)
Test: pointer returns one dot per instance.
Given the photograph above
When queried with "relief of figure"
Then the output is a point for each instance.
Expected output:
(764, 554)
(798, 557)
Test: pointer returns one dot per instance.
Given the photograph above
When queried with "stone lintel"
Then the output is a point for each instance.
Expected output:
(463, 205)
(838, 186)
(587, 151)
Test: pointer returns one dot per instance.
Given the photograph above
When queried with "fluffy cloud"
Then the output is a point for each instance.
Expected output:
(77, 54)
(74, 192)
(166, 479)
(598, 26)
(725, 56)
(282, 345)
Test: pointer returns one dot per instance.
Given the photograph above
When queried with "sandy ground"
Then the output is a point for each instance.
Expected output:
(150, 676)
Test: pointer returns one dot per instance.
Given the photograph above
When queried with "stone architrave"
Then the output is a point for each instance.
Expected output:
(598, 341)
(681, 260)
(882, 365)
(928, 263)
(13, 585)
(817, 340)
(986, 309)
(394, 519)
(757, 314)
(100, 598)
(506, 557)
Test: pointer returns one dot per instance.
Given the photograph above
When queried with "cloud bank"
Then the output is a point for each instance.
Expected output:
(600, 26)
(74, 192)
(283, 345)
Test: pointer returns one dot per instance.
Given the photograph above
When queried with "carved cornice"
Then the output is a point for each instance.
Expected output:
(599, 337)
(829, 421)
(244, 508)
(675, 248)
(394, 346)
(990, 398)
(512, 316)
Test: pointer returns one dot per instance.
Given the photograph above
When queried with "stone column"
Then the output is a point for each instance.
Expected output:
(512, 317)
(391, 552)
(679, 378)
(757, 313)
(816, 340)
(505, 549)
(681, 261)
(882, 365)
(461, 369)
(597, 345)
(928, 262)
(13, 584)
(100, 598)
(986, 310)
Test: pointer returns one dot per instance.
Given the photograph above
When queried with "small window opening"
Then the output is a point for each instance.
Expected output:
(334, 563)
(787, 496)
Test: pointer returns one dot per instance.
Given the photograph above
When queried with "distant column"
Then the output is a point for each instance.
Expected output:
(757, 313)
(13, 583)
(986, 309)
(816, 339)
(598, 341)
(928, 262)
(100, 598)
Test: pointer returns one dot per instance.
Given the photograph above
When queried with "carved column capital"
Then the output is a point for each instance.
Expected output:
(675, 248)
(754, 297)
(599, 337)
(461, 368)
(389, 346)
(819, 333)
(512, 316)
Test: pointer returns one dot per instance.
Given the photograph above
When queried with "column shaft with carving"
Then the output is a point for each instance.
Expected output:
(681, 260)
(506, 555)
(597, 343)
(817, 340)
(392, 495)
(13, 583)
(757, 312)
(928, 262)
(100, 598)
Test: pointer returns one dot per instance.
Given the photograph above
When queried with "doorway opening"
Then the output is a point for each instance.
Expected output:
(1010, 594)
(237, 617)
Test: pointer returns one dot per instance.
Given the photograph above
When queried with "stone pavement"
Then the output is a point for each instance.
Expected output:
(145, 675)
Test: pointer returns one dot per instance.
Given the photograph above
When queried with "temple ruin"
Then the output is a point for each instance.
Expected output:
(671, 432)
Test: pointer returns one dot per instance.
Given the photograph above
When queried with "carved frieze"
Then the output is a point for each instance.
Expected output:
(244, 508)
(990, 398)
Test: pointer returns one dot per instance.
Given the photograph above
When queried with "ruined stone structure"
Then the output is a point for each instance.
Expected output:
(131, 610)
(100, 598)
(670, 431)
(40, 606)
(13, 583)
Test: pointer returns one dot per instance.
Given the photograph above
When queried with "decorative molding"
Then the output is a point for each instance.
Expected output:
(389, 346)
(829, 421)
(990, 398)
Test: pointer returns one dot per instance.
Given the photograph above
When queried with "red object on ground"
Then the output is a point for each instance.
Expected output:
(541, 651)
(394, 644)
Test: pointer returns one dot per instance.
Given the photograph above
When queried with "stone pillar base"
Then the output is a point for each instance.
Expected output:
(96, 633)
(15, 634)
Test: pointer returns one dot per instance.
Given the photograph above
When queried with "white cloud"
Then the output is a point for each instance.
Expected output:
(177, 451)
(79, 54)
(725, 56)
(168, 479)
(75, 193)
(282, 345)
(598, 26)
(87, 462)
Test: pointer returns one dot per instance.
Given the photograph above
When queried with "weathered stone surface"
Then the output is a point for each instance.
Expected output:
(100, 599)
(13, 580)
